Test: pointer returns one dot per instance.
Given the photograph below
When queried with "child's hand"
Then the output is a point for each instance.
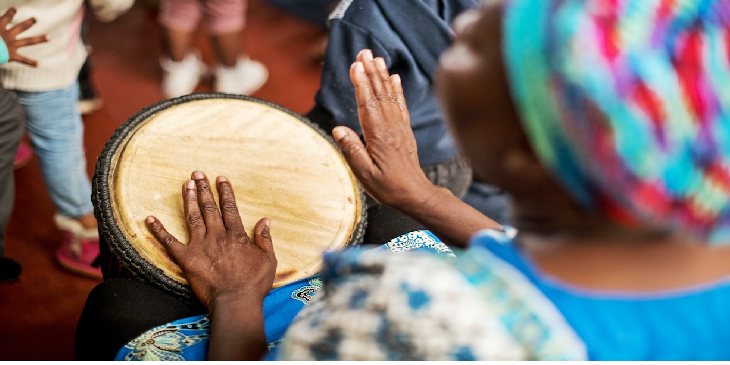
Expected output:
(12, 42)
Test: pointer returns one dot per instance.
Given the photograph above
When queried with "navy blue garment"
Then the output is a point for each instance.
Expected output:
(410, 35)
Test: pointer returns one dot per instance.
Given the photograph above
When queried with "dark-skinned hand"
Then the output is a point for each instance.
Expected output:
(221, 262)
(387, 164)
(13, 43)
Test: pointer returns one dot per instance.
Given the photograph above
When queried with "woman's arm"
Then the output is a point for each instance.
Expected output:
(229, 272)
(387, 165)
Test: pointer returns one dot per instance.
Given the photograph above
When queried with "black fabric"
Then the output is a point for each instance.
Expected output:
(12, 126)
(118, 310)
(386, 223)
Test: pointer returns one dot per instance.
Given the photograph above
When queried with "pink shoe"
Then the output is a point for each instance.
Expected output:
(79, 249)
(22, 156)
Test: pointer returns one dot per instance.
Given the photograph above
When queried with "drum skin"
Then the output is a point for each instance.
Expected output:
(281, 167)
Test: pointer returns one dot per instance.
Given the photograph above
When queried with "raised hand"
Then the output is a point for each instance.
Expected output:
(221, 261)
(387, 164)
(11, 40)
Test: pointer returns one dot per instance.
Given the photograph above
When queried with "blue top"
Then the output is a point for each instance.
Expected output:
(688, 324)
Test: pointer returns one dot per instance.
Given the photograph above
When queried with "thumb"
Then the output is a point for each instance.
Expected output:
(354, 151)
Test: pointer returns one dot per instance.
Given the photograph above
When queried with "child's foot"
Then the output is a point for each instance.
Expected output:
(9, 270)
(23, 155)
(181, 78)
(244, 78)
(79, 248)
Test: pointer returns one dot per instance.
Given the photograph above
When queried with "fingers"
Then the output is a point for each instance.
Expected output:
(21, 27)
(367, 103)
(6, 18)
(229, 209)
(400, 97)
(18, 58)
(207, 205)
(373, 73)
(193, 219)
(171, 244)
(262, 236)
(30, 41)
(354, 151)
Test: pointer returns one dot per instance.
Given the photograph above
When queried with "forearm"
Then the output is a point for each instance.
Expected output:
(237, 331)
(447, 216)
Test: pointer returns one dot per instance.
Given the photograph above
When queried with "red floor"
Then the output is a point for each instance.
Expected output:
(39, 313)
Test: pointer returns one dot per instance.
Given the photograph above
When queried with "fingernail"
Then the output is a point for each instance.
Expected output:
(359, 67)
(267, 223)
(198, 175)
(190, 185)
(222, 179)
(150, 219)
(339, 133)
(396, 78)
(368, 55)
(381, 63)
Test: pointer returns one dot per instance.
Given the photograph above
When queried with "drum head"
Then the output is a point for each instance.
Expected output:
(281, 167)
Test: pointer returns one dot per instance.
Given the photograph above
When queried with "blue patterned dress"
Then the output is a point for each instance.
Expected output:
(187, 338)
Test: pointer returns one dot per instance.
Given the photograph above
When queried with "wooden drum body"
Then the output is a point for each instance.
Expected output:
(281, 167)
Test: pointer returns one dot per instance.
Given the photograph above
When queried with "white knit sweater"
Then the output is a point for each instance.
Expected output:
(61, 58)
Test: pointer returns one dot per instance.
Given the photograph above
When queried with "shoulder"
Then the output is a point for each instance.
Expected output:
(379, 306)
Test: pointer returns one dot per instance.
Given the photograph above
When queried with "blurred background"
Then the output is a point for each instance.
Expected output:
(38, 314)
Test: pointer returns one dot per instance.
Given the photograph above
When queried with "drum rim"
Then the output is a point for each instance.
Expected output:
(112, 237)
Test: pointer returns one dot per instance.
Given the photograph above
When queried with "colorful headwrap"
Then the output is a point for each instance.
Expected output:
(628, 103)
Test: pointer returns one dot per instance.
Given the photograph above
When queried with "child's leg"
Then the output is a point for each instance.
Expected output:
(12, 119)
(56, 131)
(181, 69)
(225, 20)
(235, 74)
(179, 18)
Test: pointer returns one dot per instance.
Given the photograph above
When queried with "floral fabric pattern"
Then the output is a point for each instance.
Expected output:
(187, 339)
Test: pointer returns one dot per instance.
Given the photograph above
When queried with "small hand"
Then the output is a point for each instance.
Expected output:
(221, 262)
(12, 42)
(387, 165)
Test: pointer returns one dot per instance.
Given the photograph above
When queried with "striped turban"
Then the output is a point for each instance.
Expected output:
(627, 102)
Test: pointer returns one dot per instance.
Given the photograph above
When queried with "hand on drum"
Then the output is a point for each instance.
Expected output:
(221, 261)
(387, 165)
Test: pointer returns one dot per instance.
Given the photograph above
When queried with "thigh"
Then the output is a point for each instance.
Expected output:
(53, 119)
(386, 223)
(118, 310)
(454, 174)
(181, 15)
(224, 16)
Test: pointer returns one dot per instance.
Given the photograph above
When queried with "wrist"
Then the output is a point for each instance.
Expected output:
(233, 301)
(426, 198)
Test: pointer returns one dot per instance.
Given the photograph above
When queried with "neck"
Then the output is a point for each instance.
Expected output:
(556, 215)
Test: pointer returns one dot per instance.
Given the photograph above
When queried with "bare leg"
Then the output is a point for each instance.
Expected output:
(226, 47)
(88, 221)
(177, 43)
